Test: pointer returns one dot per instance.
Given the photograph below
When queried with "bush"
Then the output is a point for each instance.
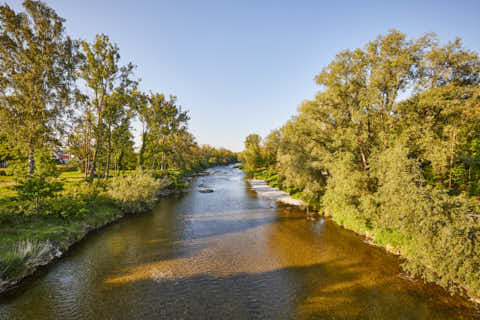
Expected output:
(86, 188)
(34, 188)
(137, 192)
(42, 184)
(175, 176)
(66, 207)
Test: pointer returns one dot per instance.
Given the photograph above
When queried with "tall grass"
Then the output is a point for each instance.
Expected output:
(23, 255)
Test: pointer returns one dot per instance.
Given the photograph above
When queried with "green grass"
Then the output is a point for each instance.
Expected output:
(7, 183)
(61, 232)
(23, 237)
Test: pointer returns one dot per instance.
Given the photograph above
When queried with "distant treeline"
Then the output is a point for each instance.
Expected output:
(70, 96)
(390, 147)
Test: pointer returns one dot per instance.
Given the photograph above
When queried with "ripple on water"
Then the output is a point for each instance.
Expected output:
(227, 255)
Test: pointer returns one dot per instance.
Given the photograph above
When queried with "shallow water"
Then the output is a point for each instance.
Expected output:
(227, 255)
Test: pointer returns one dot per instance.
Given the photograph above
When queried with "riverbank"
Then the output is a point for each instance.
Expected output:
(32, 241)
(225, 254)
(269, 192)
(380, 238)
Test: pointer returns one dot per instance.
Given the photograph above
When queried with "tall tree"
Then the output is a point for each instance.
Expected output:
(103, 75)
(117, 113)
(252, 155)
(143, 112)
(166, 123)
(443, 114)
(37, 64)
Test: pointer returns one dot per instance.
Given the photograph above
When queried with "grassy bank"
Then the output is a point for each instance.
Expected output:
(437, 263)
(28, 241)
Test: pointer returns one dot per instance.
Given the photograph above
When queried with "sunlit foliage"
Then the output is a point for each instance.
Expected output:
(390, 145)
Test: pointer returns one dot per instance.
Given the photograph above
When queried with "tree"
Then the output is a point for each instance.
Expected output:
(37, 64)
(271, 144)
(302, 155)
(166, 123)
(123, 146)
(40, 185)
(392, 123)
(117, 114)
(442, 116)
(252, 155)
(106, 80)
(143, 112)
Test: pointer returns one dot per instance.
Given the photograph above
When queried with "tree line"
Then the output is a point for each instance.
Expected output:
(63, 94)
(390, 147)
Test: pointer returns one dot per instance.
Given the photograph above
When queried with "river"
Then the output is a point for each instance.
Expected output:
(227, 255)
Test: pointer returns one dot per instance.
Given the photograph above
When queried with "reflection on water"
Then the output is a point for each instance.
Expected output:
(227, 254)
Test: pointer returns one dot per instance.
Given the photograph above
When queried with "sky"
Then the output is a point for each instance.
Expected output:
(243, 66)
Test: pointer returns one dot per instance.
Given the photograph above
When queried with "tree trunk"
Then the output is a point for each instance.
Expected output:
(93, 164)
(116, 166)
(109, 145)
(87, 166)
(107, 168)
(86, 149)
(97, 146)
(120, 159)
(31, 160)
(142, 151)
(364, 159)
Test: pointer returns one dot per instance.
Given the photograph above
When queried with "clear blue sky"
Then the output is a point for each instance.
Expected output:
(243, 67)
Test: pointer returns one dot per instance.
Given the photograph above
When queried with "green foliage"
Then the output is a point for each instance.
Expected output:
(67, 207)
(87, 189)
(391, 146)
(52, 88)
(72, 166)
(37, 187)
(251, 157)
(38, 63)
(137, 192)
(343, 196)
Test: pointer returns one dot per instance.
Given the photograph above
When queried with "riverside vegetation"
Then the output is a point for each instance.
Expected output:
(390, 148)
(65, 96)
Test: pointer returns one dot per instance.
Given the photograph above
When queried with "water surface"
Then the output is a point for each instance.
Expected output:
(227, 255)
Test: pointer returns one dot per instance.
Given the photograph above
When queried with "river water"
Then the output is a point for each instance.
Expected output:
(227, 255)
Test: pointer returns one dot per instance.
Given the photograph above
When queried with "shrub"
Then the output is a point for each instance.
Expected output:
(175, 176)
(34, 188)
(42, 184)
(66, 207)
(137, 192)
(86, 188)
